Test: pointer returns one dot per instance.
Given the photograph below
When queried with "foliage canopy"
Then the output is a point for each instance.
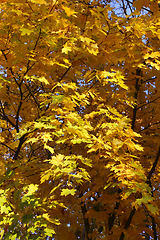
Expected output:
(79, 119)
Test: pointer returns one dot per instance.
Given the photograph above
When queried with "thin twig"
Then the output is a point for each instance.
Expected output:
(8, 147)
(142, 7)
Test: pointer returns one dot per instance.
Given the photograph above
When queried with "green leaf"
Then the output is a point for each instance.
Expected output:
(27, 218)
(153, 209)
(144, 199)
(127, 194)
(57, 99)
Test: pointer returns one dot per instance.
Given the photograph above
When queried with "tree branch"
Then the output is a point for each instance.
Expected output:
(8, 147)
(142, 7)
(5, 117)
(148, 103)
(128, 222)
(148, 126)
(21, 141)
(135, 96)
(134, 210)
(150, 184)
(154, 165)
(86, 222)
(138, 72)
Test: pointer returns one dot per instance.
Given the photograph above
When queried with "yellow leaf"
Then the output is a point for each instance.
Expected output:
(43, 79)
(93, 49)
(55, 221)
(49, 148)
(32, 189)
(67, 191)
(66, 49)
(86, 39)
(39, 1)
(117, 143)
(69, 11)
(152, 55)
(2, 167)
(25, 31)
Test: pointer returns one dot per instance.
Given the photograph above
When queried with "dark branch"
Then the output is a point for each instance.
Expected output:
(154, 165)
(8, 147)
(136, 96)
(138, 73)
(21, 141)
(128, 222)
(5, 117)
(142, 7)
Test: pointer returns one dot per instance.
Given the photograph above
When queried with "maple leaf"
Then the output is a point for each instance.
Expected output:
(79, 119)
(67, 191)
(47, 217)
(43, 79)
(66, 49)
(69, 11)
(39, 1)
(49, 232)
(25, 31)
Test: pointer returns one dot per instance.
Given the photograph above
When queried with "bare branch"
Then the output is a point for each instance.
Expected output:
(154, 165)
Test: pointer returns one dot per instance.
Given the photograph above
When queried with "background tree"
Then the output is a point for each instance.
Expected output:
(79, 119)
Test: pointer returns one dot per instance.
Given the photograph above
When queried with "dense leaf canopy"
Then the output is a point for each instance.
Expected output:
(79, 119)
